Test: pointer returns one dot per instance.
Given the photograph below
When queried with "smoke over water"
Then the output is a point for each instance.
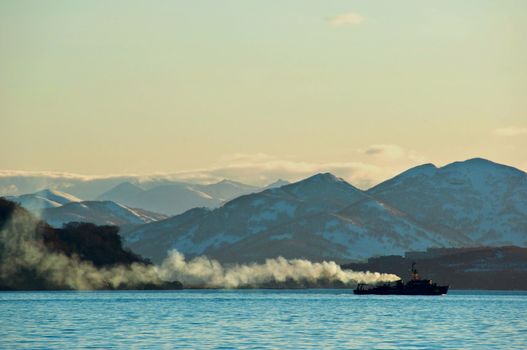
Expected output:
(25, 259)
(202, 272)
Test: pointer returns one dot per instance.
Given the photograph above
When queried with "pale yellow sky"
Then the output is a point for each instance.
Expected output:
(260, 88)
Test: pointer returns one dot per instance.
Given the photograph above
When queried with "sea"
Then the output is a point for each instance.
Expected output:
(261, 319)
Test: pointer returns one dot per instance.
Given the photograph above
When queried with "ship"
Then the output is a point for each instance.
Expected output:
(416, 286)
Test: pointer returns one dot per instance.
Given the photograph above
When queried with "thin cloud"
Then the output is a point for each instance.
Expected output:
(346, 19)
(371, 166)
(263, 172)
(510, 131)
(58, 175)
(257, 171)
(384, 150)
(390, 152)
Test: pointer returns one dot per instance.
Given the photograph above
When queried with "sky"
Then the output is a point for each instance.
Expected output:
(256, 90)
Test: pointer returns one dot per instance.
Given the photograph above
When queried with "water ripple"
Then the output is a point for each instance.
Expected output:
(261, 319)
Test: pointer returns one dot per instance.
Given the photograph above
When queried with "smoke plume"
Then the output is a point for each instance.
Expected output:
(26, 263)
(202, 272)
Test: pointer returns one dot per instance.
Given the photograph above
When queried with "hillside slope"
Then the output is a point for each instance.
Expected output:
(99, 213)
(484, 200)
(322, 217)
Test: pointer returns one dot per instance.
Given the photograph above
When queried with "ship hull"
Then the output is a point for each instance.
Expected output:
(439, 290)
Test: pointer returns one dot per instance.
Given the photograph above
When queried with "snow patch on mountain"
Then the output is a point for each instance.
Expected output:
(97, 212)
(36, 202)
(484, 200)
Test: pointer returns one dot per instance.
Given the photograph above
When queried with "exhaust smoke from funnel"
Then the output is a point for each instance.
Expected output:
(202, 272)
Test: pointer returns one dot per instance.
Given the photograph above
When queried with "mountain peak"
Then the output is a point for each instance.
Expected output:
(323, 177)
(229, 182)
(479, 160)
(126, 186)
(321, 185)
(423, 169)
(121, 192)
(472, 162)
(427, 170)
(481, 165)
(57, 196)
(277, 183)
(224, 181)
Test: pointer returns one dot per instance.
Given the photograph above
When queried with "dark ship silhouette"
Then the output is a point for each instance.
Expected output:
(416, 286)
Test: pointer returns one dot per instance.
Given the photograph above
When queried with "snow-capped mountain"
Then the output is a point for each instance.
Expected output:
(128, 190)
(174, 198)
(463, 204)
(470, 203)
(483, 200)
(277, 183)
(36, 202)
(85, 188)
(168, 199)
(244, 216)
(322, 217)
(226, 189)
(122, 193)
(98, 212)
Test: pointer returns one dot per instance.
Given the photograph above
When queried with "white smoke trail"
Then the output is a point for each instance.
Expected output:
(22, 252)
(202, 272)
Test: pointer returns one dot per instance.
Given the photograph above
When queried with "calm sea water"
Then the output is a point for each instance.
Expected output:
(261, 319)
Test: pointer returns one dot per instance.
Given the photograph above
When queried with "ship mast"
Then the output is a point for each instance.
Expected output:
(415, 275)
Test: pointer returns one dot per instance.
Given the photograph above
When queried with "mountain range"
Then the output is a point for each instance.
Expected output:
(129, 204)
(162, 196)
(174, 198)
(485, 201)
(36, 202)
(58, 208)
(470, 203)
